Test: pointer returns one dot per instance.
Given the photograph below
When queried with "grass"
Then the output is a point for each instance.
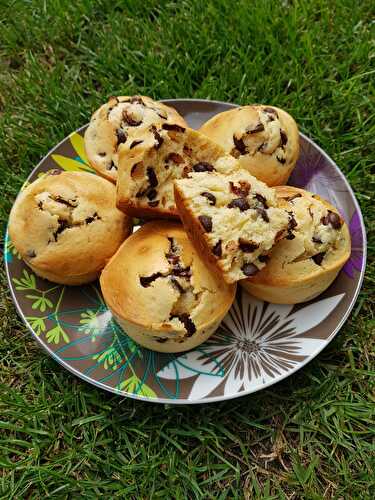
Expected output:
(311, 436)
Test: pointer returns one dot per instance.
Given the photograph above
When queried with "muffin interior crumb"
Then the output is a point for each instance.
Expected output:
(173, 154)
(240, 217)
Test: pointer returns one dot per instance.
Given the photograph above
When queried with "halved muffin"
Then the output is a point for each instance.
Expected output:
(264, 139)
(160, 291)
(233, 220)
(148, 169)
(307, 261)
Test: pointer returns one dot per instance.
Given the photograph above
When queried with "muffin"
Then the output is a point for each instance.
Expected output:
(123, 120)
(66, 226)
(233, 220)
(160, 291)
(264, 139)
(306, 262)
(147, 170)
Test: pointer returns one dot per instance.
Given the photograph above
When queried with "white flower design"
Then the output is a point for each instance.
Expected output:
(256, 343)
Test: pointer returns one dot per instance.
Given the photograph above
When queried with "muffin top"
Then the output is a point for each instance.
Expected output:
(123, 120)
(317, 239)
(67, 222)
(264, 139)
(157, 280)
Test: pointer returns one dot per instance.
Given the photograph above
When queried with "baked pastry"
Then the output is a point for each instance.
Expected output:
(304, 264)
(160, 291)
(123, 120)
(234, 220)
(66, 226)
(264, 139)
(147, 170)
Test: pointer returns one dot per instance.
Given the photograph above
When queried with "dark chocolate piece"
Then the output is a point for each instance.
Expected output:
(210, 197)
(147, 280)
(249, 269)
(247, 246)
(173, 126)
(134, 144)
(206, 222)
(121, 136)
(217, 249)
(263, 214)
(240, 203)
(242, 190)
(203, 166)
(318, 258)
(240, 145)
(152, 179)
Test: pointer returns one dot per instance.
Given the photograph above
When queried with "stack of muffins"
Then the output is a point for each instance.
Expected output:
(168, 284)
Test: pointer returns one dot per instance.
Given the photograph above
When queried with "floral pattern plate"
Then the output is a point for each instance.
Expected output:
(257, 344)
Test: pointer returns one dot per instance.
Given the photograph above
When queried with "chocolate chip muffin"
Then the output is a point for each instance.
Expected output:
(160, 291)
(306, 262)
(234, 220)
(264, 139)
(66, 226)
(123, 120)
(147, 170)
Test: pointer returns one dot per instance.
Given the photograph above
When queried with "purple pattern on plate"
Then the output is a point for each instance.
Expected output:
(355, 263)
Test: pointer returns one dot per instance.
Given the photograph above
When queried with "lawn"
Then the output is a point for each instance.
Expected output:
(310, 436)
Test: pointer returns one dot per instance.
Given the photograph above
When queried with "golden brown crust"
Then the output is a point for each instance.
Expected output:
(66, 226)
(293, 283)
(133, 184)
(161, 254)
(264, 166)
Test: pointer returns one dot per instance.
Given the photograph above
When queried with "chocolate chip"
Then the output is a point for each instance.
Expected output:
(318, 258)
(283, 138)
(136, 100)
(247, 246)
(217, 250)
(249, 269)
(258, 128)
(121, 136)
(158, 138)
(62, 225)
(242, 190)
(261, 200)
(280, 160)
(263, 214)
(175, 158)
(240, 145)
(290, 236)
(203, 166)
(147, 280)
(40, 205)
(292, 224)
(240, 203)
(153, 204)
(279, 235)
(271, 111)
(334, 220)
(129, 120)
(31, 254)
(291, 198)
(151, 194)
(111, 166)
(93, 217)
(316, 240)
(183, 272)
(206, 222)
(187, 322)
(311, 214)
(176, 284)
(102, 154)
(161, 340)
(173, 126)
(68, 203)
(134, 144)
(172, 245)
(152, 179)
(210, 197)
(188, 151)
(264, 258)
(134, 168)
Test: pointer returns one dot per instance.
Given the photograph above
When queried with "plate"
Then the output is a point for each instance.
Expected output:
(257, 344)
